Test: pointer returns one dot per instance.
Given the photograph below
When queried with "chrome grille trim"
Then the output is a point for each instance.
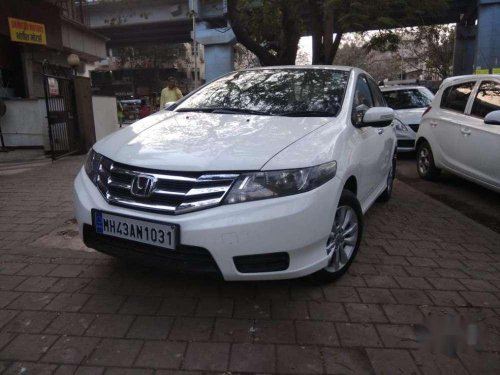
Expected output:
(159, 176)
(173, 192)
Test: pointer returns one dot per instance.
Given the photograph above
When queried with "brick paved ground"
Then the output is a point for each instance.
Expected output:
(71, 311)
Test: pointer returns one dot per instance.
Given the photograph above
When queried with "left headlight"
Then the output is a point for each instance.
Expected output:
(92, 165)
(400, 127)
(274, 184)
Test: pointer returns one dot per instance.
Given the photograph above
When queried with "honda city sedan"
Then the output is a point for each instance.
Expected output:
(261, 174)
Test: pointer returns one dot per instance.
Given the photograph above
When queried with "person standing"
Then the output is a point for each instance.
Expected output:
(171, 93)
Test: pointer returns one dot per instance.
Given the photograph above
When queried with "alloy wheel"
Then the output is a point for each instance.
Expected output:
(423, 161)
(343, 238)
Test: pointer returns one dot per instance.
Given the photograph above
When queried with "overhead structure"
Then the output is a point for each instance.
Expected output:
(142, 22)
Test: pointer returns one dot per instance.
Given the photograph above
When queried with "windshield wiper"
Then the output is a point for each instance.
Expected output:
(208, 110)
(228, 110)
(308, 114)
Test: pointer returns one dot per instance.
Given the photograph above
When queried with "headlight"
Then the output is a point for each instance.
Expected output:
(92, 165)
(400, 127)
(274, 184)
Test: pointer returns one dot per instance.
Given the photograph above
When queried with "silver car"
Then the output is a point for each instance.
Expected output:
(409, 103)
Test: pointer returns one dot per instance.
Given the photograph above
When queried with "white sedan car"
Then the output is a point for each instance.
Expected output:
(261, 174)
(461, 131)
(409, 103)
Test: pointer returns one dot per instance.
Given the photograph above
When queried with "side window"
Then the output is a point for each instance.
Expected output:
(487, 99)
(378, 98)
(456, 97)
(362, 100)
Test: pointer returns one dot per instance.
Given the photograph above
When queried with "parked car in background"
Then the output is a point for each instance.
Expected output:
(261, 174)
(461, 131)
(408, 103)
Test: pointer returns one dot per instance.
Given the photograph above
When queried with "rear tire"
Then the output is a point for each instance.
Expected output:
(345, 238)
(426, 167)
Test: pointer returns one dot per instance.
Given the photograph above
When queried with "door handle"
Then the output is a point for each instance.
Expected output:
(380, 131)
(433, 124)
(465, 132)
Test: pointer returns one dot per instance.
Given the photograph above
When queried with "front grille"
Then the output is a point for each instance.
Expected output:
(183, 259)
(406, 143)
(171, 192)
(414, 127)
(270, 262)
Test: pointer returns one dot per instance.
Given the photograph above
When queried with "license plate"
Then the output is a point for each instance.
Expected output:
(144, 231)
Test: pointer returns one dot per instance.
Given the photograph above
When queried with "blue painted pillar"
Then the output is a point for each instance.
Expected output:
(488, 37)
(218, 42)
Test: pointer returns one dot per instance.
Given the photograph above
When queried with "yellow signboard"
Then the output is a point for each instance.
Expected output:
(27, 32)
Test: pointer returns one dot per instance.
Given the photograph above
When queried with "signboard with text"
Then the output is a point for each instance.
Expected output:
(27, 32)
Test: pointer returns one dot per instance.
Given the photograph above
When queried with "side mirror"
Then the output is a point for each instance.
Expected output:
(378, 117)
(492, 118)
(168, 105)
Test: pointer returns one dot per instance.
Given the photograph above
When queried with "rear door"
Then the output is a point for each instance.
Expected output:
(480, 142)
(448, 122)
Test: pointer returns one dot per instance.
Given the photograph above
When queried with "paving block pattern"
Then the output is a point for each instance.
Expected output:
(425, 275)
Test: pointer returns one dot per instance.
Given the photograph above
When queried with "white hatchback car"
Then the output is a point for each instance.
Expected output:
(409, 103)
(261, 174)
(461, 131)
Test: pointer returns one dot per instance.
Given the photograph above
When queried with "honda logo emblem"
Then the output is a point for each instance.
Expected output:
(143, 185)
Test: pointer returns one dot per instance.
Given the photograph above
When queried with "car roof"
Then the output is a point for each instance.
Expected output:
(469, 77)
(400, 87)
(316, 67)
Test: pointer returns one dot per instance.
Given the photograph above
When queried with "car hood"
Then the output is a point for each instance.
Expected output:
(409, 116)
(205, 141)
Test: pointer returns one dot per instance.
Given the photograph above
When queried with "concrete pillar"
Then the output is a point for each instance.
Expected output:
(218, 44)
(488, 37)
(463, 53)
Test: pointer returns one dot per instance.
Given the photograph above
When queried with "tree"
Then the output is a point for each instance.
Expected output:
(271, 29)
(380, 65)
(429, 48)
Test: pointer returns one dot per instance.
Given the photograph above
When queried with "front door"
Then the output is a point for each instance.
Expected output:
(372, 149)
(446, 127)
(479, 142)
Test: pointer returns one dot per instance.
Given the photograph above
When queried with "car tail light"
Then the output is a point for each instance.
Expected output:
(426, 110)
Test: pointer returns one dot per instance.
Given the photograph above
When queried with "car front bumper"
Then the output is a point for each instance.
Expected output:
(298, 225)
(406, 141)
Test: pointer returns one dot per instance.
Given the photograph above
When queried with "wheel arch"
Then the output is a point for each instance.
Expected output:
(351, 184)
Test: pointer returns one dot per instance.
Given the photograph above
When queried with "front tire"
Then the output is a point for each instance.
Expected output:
(426, 167)
(345, 238)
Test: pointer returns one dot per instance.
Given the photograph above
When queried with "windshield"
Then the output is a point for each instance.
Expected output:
(408, 98)
(285, 92)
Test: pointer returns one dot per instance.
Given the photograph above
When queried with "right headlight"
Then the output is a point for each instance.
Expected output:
(273, 184)
(399, 126)
(92, 165)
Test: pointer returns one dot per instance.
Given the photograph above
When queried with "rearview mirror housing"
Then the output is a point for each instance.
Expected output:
(378, 117)
(492, 118)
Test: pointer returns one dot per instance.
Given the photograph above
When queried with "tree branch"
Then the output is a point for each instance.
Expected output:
(243, 36)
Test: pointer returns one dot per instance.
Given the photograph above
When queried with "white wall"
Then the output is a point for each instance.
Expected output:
(25, 123)
(105, 115)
